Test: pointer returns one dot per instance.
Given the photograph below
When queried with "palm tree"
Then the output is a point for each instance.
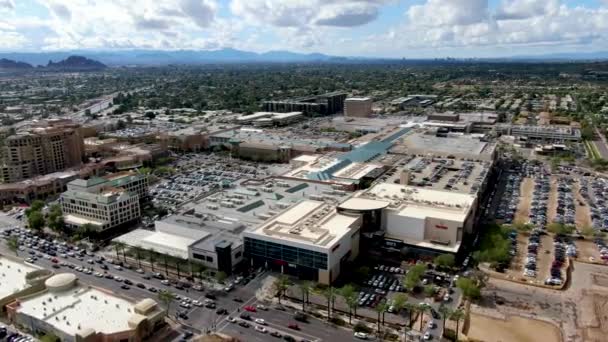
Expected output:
(178, 261)
(151, 257)
(13, 245)
(120, 246)
(166, 297)
(280, 285)
(411, 308)
(305, 287)
(166, 260)
(329, 294)
(138, 251)
(350, 297)
(422, 308)
(399, 302)
(457, 315)
(445, 313)
(380, 309)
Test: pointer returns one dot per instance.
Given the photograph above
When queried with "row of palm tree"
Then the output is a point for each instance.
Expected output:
(350, 296)
(140, 253)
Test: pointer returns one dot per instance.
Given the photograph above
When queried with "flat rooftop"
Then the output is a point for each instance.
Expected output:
(273, 137)
(309, 222)
(412, 201)
(255, 201)
(452, 175)
(12, 276)
(79, 308)
(162, 242)
(426, 142)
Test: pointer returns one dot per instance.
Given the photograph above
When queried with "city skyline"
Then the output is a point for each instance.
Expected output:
(366, 28)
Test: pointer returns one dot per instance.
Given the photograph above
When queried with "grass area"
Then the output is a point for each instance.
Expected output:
(592, 150)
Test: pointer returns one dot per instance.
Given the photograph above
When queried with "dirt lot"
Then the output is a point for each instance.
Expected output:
(586, 250)
(595, 316)
(523, 208)
(515, 328)
(583, 214)
(552, 201)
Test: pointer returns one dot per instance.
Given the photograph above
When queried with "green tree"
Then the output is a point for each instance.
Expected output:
(305, 287)
(587, 231)
(118, 247)
(380, 310)
(221, 276)
(413, 276)
(445, 260)
(280, 285)
(349, 294)
(138, 252)
(151, 258)
(49, 338)
(429, 290)
(55, 218)
(445, 312)
(469, 288)
(422, 308)
(456, 316)
(560, 228)
(166, 298)
(330, 294)
(411, 310)
(399, 302)
(13, 245)
(35, 220)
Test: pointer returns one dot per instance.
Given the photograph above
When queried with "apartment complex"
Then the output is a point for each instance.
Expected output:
(358, 107)
(40, 151)
(96, 203)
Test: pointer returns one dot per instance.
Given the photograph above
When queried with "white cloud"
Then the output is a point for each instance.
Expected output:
(7, 5)
(11, 40)
(202, 12)
(523, 9)
(448, 12)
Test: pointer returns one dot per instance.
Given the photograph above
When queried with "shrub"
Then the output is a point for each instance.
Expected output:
(360, 327)
(338, 321)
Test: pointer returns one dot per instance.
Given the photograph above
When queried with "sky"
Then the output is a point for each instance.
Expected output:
(367, 28)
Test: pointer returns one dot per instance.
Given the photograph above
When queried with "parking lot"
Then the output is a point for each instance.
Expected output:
(197, 175)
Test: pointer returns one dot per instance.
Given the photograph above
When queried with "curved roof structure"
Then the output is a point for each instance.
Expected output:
(363, 204)
(60, 282)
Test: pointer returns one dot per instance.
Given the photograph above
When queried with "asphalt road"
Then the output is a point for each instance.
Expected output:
(201, 319)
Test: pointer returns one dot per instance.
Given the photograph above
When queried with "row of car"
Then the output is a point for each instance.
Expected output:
(510, 199)
(534, 242)
(565, 210)
(540, 196)
(560, 246)
(595, 193)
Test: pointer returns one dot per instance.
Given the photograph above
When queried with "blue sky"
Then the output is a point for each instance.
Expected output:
(381, 28)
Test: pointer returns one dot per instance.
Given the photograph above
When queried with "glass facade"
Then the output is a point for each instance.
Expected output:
(288, 254)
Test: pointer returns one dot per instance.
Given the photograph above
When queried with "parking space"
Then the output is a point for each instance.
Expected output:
(382, 281)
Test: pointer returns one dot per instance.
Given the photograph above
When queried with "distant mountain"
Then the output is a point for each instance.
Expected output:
(76, 63)
(14, 65)
(159, 57)
(565, 56)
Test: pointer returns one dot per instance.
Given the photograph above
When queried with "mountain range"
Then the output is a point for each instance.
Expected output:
(75, 63)
(138, 57)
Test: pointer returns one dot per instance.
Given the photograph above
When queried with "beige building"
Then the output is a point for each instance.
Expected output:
(96, 203)
(41, 151)
(358, 107)
(77, 312)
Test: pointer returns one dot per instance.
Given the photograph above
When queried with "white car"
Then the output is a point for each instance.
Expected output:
(231, 319)
(139, 270)
(197, 303)
(260, 321)
(431, 325)
(260, 329)
(427, 336)
(361, 335)
(261, 307)
(118, 267)
(165, 282)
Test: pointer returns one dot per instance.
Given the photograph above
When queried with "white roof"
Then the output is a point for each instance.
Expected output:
(80, 308)
(357, 203)
(80, 221)
(12, 276)
(164, 243)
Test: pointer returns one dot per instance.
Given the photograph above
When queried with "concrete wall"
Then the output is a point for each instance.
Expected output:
(404, 227)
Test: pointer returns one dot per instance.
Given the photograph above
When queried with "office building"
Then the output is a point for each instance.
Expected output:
(77, 312)
(358, 107)
(130, 181)
(94, 203)
(309, 239)
(40, 151)
(326, 104)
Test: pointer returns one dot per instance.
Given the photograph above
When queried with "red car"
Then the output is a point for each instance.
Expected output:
(293, 326)
(54, 260)
(250, 308)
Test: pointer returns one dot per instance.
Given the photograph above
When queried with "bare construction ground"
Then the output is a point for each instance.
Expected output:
(522, 215)
(583, 214)
(552, 201)
(514, 328)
